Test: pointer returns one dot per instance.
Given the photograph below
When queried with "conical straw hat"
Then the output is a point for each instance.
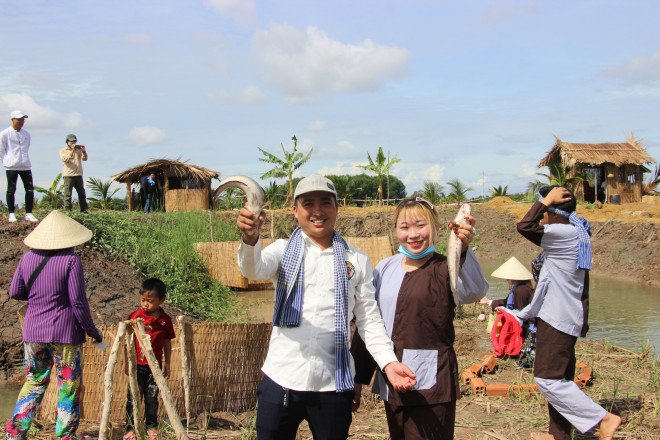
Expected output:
(512, 270)
(57, 231)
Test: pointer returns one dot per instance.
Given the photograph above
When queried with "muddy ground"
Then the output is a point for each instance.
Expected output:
(625, 246)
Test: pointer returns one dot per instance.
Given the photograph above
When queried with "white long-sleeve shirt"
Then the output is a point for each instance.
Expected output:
(14, 146)
(303, 358)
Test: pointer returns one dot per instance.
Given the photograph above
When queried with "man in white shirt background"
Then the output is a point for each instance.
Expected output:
(321, 283)
(14, 146)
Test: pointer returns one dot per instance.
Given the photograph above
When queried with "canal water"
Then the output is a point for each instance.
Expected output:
(625, 313)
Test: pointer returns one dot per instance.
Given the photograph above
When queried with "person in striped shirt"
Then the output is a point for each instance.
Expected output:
(50, 278)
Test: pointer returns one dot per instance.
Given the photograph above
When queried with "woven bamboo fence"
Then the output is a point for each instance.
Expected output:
(220, 258)
(181, 200)
(224, 367)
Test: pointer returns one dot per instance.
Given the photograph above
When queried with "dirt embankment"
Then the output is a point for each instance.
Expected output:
(624, 246)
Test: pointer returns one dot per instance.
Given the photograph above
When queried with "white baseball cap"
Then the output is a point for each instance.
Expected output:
(17, 114)
(315, 183)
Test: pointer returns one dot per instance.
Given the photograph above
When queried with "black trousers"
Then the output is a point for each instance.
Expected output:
(149, 392)
(12, 178)
(328, 413)
(76, 182)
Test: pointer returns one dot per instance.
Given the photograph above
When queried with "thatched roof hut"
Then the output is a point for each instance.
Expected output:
(184, 187)
(617, 168)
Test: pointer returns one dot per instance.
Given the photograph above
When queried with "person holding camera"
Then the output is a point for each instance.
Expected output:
(72, 156)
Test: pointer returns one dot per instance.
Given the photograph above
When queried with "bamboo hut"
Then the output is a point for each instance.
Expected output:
(184, 187)
(617, 169)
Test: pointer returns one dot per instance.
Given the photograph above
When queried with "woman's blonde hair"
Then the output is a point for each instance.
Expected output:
(418, 207)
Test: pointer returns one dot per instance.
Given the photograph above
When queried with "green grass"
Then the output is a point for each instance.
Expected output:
(161, 245)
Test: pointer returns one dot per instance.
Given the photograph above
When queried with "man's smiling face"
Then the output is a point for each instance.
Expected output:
(316, 213)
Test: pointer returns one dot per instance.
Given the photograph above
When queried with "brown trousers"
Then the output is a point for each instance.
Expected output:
(555, 359)
(424, 422)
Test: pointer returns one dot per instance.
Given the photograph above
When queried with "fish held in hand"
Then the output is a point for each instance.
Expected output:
(454, 250)
(253, 192)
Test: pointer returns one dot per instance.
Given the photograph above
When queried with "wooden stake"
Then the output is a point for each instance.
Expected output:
(145, 343)
(185, 367)
(107, 402)
(131, 358)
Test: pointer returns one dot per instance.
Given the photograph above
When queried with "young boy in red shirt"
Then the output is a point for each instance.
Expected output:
(158, 326)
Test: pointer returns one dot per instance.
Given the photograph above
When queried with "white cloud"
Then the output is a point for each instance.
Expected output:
(249, 95)
(638, 70)
(305, 62)
(40, 118)
(527, 170)
(138, 39)
(417, 174)
(317, 125)
(343, 150)
(242, 11)
(350, 168)
(143, 136)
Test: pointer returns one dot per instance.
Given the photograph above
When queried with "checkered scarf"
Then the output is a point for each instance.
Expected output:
(289, 296)
(583, 229)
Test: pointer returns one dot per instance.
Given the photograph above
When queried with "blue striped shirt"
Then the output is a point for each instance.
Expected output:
(58, 310)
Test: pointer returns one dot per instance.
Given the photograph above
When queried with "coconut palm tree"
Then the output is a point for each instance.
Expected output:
(498, 191)
(381, 167)
(53, 196)
(272, 194)
(433, 192)
(458, 190)
(285, 167)
(558, 175)
(101, 192)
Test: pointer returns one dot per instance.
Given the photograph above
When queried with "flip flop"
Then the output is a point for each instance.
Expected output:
(129, 436)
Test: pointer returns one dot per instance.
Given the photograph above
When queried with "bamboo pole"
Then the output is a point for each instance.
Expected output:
(145, 343)
(185, 367)
(107, 402)
(131, 358)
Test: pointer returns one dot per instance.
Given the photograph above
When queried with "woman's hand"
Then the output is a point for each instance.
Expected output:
(465, 231)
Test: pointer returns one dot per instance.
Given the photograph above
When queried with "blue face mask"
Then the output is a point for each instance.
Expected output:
(408, 254)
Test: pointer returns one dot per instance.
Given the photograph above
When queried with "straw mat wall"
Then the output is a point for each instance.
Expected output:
(181, 200)
(225, 369)
(220, 258)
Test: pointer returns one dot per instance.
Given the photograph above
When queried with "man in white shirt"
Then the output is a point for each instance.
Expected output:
(14, 146)
(321, 283)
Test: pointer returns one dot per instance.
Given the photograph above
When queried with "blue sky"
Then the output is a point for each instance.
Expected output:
(456, 89)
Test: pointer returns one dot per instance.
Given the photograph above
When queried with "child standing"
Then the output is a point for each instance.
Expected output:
(158, 326)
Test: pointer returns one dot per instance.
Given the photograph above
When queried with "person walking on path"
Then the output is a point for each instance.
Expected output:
(72, 156)
(14, 147)
(321, 283)
(50, 278)
(561, 306)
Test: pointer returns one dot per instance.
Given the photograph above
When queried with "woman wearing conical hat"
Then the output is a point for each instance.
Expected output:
(521, 289)
(50, 278)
